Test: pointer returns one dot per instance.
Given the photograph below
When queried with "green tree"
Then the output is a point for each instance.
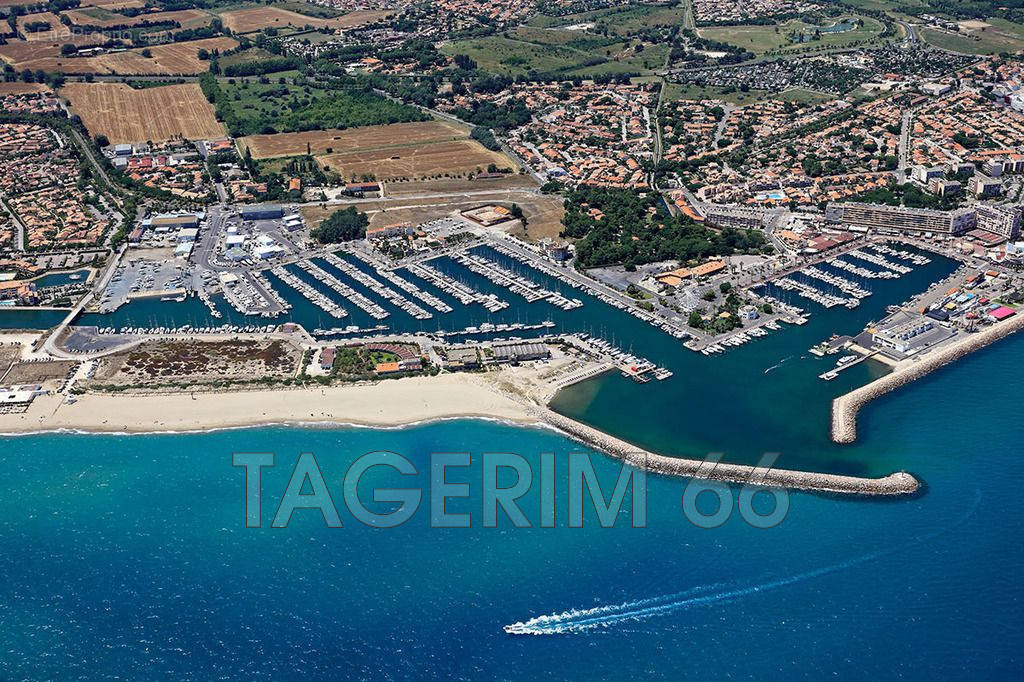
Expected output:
(343, 225)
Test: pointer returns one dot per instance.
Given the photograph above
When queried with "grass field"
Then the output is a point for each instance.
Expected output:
(151, 114)
(989, 37)
(396, 135)
(498, 54)
(802, 96)
(250, 108)
(586, 56)
(674, 91)
(618, 20)
(762, 39)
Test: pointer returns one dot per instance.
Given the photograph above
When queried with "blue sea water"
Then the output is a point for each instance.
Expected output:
(127, 557)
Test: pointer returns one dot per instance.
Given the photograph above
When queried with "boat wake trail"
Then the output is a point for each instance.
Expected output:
(776, 366)
(583, 620)
(590, 619)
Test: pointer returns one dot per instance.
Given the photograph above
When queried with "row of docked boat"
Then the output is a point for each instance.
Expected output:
(251, 298)
(848, 287)
(403, 284)
(270, 292)
(461, 292)
(880, 261)
(372, 309)
(807, 291)
(740, 338)
(631, 366)
(915, 258)
(204, 296)
(528, 289)
(490, 328)
(598, 293)
(556, 298)
(318, 299)
(377, 287)
(190, 330)
(350, 330)
(849, 267)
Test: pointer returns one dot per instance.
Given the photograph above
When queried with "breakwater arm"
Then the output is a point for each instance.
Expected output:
(846, 407)
(898, 483)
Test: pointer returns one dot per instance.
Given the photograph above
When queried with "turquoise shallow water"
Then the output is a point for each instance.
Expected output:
(128, 557)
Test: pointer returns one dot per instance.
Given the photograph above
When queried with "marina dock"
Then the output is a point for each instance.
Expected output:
(310, 293)
(376, 287)
(833, 373)
(375, 311)
(463, 293)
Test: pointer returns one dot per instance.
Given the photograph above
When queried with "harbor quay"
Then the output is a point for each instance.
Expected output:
(846, 407)
(895, 484)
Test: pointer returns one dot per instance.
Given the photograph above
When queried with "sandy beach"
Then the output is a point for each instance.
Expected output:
(387, 403)
(509, 397)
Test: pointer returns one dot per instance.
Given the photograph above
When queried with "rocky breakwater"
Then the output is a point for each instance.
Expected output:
(899, 483)
(846, 407)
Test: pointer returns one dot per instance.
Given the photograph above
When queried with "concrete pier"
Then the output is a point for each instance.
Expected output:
(899, 483)
(846, 407)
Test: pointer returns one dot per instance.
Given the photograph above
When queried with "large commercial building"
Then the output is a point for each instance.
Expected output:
(172, 221)
(521, 352)
(894, 219)
(262, 212)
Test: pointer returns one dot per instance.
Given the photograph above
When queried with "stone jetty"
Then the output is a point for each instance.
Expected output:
(899, 483)
(846, 407)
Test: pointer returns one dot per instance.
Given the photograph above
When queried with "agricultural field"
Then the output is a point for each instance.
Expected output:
(435, 159)
(761, 39)
(320, 142)
(172, 59)
(258, 18)
(543, 212)
(19, 88)
(155, 114)
(101, 17)
(31, 26)
(23, 54)
(991, 36)
(113, 5)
